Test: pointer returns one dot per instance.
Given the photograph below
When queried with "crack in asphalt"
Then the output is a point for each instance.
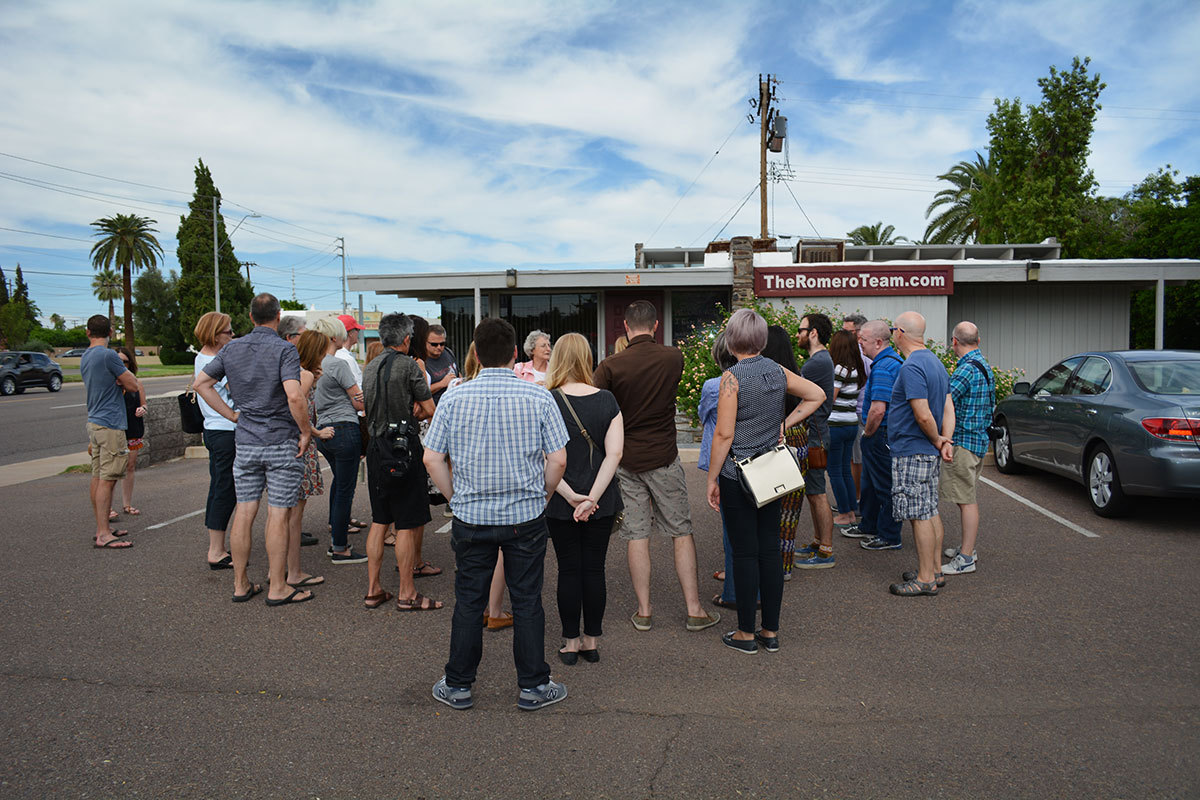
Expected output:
(679, 720)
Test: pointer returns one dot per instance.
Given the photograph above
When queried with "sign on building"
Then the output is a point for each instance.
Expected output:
(853, 280)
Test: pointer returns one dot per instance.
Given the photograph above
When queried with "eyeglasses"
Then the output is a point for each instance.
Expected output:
(226, 332)
(293, 336)
(435, 344)
(893, 330)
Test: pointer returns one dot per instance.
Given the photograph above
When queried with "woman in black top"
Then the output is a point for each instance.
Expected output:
(580, 514)
(135, 409)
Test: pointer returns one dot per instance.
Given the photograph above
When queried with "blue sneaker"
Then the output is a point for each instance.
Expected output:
(546, 694)
(457, 697)
(875, 543)
(816, 562)
(808, 551)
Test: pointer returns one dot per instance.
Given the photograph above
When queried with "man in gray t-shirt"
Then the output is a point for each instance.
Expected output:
(439, 362)
(814, 333)
(104, 376)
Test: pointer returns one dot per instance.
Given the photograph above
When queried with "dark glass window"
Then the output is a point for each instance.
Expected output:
(555, 314)
(695, 309)
(1054, 380)
(458, 318)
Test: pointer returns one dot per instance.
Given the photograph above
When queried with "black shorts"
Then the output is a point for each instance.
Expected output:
(403, 503)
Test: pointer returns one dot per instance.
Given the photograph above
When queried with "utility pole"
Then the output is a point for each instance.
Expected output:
(293, 283)
(342, 251)
(248, 265)
(766, 116)
(216, 269)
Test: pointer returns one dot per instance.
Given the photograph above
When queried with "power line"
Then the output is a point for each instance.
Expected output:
(693, 183)
(739, 210)
(718, 219)
(802, 211)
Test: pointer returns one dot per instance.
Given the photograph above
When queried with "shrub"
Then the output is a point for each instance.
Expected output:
(175, 357)
(37, 346)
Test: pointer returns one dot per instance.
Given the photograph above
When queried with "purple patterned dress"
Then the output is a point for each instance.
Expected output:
(312, 482)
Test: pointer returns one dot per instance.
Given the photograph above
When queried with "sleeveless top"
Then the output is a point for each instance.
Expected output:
(762, 390)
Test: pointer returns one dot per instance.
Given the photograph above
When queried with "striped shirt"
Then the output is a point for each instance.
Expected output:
(760, 404)
(845, 407)
(496, 430)
(974, 397)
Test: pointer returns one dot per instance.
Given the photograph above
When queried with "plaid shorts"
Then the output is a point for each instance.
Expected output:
(275, 466)
(915, 486)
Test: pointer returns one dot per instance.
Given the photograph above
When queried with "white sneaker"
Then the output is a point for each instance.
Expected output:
(959, 565)
(951, 552)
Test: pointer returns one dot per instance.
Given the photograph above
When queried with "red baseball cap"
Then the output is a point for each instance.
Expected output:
(351, 323)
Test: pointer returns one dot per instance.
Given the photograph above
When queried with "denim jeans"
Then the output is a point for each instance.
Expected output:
(221, 495)
(475, 551)
(757, 563)
(841, 447)
(342, 453)
(877, 488)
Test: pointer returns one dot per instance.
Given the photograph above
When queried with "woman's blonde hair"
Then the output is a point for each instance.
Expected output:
(312, 347)
(621, 343)
(331, 327)
(470, 367)
(208, 326)
(373, 349)
(570, 362)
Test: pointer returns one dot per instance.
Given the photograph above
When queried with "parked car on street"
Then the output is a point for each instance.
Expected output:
(1121, 423)
(75, 353)
(20, 370)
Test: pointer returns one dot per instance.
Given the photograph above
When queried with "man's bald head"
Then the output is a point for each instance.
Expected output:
(967, 333)
(912, 324)
(875, 329)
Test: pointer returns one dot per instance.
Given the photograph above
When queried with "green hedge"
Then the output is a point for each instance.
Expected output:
(175, 357)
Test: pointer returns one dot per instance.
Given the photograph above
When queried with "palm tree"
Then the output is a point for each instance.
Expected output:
(107, 286)
(958, 221)
(129, 243)
(877, 234)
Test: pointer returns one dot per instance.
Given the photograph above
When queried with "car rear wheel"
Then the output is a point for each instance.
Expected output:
(8, 387)
(1002, 449)
(1104, 485)
(55, 383)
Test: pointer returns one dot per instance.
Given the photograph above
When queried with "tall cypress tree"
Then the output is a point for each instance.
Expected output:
(21, 294)
(3, 288)
(195, 250)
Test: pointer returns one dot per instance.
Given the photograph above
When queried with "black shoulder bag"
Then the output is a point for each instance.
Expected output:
(398, 447)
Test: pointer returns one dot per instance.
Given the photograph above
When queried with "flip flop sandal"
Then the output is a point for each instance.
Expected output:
(914, 588)
(131, 511)
(376, 600)
(291, 598)
(426, 570)
(719, 575)
(119, 534)
(112, 515)
(224, 563)
(311, 580)
(717, 601)
(418, 603)
(255, 589)
(113, 544)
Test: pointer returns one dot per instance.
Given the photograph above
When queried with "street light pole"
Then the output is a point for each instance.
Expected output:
(217, 248)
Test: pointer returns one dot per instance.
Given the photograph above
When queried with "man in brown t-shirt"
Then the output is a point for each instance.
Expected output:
(644, 378)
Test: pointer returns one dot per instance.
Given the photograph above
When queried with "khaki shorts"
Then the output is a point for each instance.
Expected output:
(960, 477)
(110, 452)
(655, 496)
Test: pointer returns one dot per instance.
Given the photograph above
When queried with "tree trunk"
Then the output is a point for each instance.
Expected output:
(127, 278)
(111, 312)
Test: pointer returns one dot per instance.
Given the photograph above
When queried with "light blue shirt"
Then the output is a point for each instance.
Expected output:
(497, 430)
(709, 394)
(100, 367)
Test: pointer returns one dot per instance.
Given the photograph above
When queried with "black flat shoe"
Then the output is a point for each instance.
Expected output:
(570, 659)
(747, 646)
(768, 643)
(590, 656)
(307, 539)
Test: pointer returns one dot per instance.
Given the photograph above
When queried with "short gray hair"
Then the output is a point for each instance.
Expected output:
(532, 339)
(857, 319)
(394, 329)
(290, 326)
(437, 329)
(746, 332)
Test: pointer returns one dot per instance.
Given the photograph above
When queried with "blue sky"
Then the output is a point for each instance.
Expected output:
(466, 135)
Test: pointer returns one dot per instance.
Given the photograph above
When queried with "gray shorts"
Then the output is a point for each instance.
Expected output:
(856, 453)
(274, 467)
(915, 486)
(655, 496)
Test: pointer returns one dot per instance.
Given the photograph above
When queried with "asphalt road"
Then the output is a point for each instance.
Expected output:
(1065, 667)
(40, 423)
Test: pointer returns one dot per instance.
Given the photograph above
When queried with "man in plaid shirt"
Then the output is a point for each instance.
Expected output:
(507, 443)
(973, 390)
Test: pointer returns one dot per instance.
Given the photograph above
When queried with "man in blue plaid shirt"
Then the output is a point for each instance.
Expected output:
(973, 390)
(506, 441)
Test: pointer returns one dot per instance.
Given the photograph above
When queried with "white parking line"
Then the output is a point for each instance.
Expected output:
(73, 405)
(177, 519)
(1039, 509)
(445, 527)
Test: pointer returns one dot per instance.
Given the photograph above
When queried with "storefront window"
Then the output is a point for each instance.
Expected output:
(555, 314)
(458, 317)
(695, 309)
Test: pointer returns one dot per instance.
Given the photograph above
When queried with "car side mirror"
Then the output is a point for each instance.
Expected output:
(1021, 387)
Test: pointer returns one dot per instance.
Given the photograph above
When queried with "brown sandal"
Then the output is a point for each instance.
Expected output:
(426, 570)
(376, 600)
(418, 603)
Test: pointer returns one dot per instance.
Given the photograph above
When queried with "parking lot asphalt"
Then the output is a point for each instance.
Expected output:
(1065, 667)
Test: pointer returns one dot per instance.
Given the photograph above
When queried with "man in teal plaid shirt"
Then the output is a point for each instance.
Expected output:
(973, 391)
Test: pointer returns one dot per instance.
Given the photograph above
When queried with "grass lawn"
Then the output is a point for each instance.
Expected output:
(155, 371)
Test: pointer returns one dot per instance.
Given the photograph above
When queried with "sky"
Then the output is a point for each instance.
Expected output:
(442, 135)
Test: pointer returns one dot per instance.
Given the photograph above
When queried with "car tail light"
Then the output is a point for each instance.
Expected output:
(1173, 429)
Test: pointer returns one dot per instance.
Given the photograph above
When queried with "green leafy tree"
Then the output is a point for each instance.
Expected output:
(21, 295)
(57, 322)
(878, 234)
(1039, 159)
(195, 249)
(291, 305)
(156, 308)
(128, 242)
(14, 324)
(106, 285)
(957, 220)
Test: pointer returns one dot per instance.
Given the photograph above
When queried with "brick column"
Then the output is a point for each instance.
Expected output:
(741, 250)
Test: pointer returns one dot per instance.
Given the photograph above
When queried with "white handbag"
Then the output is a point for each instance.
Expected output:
(770, 475)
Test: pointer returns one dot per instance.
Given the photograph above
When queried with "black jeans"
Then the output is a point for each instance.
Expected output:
(342, 452)
(222, 498)
(757, 564)
(475, 550)
(581, 548)
(876, 506)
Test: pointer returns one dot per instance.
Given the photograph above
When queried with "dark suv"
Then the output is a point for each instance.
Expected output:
(20, 370)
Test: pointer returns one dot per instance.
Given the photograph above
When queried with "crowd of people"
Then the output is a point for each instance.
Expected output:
(557, 447)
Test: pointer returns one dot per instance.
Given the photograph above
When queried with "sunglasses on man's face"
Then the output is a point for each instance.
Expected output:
(435, 344)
